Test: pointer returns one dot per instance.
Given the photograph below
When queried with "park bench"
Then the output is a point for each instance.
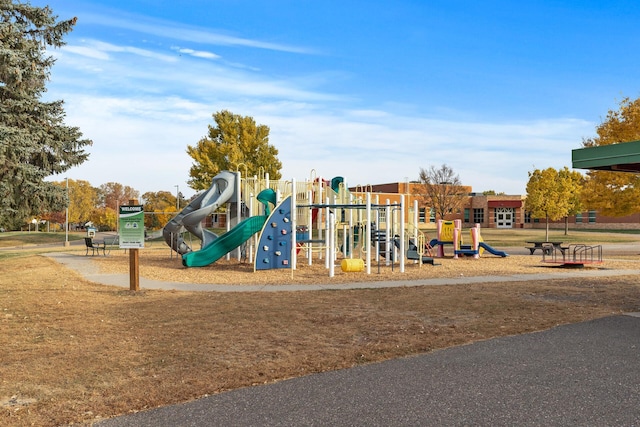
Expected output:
(112, 242)
(95, 247)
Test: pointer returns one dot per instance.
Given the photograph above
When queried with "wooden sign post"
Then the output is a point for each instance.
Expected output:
(134, 270)
(131, 231)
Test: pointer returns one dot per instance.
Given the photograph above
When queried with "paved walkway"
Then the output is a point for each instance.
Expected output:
(90, 270)
(586, 374)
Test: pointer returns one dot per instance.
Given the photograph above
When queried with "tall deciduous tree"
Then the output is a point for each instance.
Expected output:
(82, 201)
(553, 194)
(110, 196)
(161, 207)
(34, 141)
(113, 194)
(441, 189)
(234, 143)
(615, 193)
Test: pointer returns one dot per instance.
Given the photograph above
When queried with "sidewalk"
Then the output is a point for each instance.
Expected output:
(90, 271)
(585, 374)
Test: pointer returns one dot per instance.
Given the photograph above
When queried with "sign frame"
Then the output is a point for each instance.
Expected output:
(131, 227)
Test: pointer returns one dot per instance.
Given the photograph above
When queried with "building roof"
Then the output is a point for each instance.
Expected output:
(623, 157)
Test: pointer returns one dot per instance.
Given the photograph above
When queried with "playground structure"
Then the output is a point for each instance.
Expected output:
(315, 219)
(450, 233)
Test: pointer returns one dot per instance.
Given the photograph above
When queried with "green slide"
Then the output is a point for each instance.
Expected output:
(225, 243)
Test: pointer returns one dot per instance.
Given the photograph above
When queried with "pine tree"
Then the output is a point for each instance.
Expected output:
(35, 143)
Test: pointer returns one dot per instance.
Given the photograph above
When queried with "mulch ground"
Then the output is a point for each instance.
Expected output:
(161, 265)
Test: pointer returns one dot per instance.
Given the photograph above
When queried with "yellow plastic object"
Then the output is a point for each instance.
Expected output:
(446, 232)
(351, 265)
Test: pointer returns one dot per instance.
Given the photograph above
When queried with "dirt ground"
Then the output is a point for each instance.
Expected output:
(74, 351)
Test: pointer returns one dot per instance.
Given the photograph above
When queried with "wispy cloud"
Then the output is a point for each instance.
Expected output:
(100, 50)
(194, 34)
(182, 71)
(196, 53)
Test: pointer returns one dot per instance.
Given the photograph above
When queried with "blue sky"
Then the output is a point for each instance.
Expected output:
(368, 90)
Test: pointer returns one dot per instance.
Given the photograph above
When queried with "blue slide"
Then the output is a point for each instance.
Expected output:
(492, 250)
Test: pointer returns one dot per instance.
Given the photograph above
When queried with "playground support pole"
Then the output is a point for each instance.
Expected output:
(416, 231)
(320, 216)
(327, 220)
(377, 214)
(456, 242)
(294, 222)
(475, 236)
(438, 234)
(310, 228)
(253, 240)
(367, 232)
(238, 201)
(331, 237)
(228, 255)
(388, 235)
(352, 240)
(402, 237)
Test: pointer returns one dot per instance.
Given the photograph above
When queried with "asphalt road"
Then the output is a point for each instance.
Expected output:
(585, 374)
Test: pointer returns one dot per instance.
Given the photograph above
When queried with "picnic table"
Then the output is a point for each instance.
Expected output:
(545, 247)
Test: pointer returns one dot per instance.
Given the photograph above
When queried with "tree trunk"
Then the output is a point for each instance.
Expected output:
(546, 235)
(566, 225)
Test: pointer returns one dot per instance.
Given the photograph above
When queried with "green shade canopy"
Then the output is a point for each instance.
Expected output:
(623, 157)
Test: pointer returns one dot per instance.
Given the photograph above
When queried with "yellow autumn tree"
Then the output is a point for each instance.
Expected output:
(553, 195)
(160, 207)
(234, 143)
(615, 193)
(83, 199)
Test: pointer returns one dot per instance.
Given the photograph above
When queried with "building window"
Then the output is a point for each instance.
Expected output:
(527, 217)
(422, 215)
(432, 215)
(382, 216)
(478, 216)
(592, 217)
(579, 218)
(467, 214)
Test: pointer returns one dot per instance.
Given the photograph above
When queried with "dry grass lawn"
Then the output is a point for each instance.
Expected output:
(76, 352)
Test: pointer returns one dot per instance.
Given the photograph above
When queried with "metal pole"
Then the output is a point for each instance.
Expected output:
(177, 198)
(66, 218)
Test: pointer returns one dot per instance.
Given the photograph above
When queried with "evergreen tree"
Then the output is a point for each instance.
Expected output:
(35, 143)
(235, 143)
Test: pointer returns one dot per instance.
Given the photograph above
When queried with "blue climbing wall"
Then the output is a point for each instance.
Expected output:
(274, 248)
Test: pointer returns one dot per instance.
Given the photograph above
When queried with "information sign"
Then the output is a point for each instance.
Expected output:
(131, 229)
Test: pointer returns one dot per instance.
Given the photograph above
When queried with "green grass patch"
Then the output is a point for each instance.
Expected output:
(25, 238)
